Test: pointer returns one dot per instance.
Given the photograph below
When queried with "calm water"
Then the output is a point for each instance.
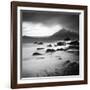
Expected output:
(47, 64)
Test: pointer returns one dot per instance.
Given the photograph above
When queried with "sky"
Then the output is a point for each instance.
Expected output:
(46, 23)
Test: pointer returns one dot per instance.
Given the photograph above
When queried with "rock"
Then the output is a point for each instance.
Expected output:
(72, 69)
(49, 45)
(61, 43)
(40, 48)
(73, 47)
(60, 49)
(50, 50)
(36, 53)
(74, 42)
(35, 42)
(40, 43)
(55, 45)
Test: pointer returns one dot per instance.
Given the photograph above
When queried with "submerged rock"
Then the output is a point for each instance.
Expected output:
(36, 53)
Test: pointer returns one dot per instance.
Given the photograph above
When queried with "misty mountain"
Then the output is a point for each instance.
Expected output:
(60, 35)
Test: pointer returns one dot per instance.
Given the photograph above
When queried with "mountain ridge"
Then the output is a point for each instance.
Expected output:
(60, 35)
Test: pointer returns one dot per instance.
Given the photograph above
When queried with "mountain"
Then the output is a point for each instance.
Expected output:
(60, 35)
(63, 33)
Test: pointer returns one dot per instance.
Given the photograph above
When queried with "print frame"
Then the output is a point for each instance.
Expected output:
(15, 40)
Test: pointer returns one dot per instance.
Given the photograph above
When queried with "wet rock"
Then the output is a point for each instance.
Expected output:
(40, 43)
(35, 42)
(36, 53)
(73, 47)
(50, 50)
(61, 43)
(55, 45)
(60, 49)
(74, 42)
(49, 45)
(40, 48)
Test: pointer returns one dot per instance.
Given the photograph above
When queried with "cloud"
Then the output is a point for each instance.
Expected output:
(39, 29)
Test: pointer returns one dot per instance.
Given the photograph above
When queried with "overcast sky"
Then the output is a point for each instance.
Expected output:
(43, 23)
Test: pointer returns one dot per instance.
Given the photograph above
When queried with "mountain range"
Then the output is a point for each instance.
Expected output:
(60, 35)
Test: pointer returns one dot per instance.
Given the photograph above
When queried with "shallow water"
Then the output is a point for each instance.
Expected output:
(47, 64)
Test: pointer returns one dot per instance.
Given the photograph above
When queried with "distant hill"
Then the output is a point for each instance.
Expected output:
(60, 35)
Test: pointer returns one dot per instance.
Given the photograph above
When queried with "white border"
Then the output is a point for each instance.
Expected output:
(59, 78)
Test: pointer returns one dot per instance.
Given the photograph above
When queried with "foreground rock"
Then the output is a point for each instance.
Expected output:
(72, 69)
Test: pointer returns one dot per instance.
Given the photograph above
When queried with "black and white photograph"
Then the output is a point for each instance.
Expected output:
(50, 43)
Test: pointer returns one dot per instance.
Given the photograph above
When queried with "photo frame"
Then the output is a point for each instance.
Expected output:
(48, 44)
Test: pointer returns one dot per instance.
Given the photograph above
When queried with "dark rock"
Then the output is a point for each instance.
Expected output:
(72, 69)
(49, 45)
(55, 45)
(60, 49)
(40, 48)
(50, 50)
(36, 53)
(72, 47)
(35, 42)
(74, 42)
(61, 43)
(40, 43)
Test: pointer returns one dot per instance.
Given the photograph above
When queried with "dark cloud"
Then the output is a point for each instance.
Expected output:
(66, 20)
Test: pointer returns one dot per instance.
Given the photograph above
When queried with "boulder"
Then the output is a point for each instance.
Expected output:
(40, 48)
(40, 43)
(61, 43)
(72, 69)
(36, 53)
(50, 50)
(49, 45)
(74, 42)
